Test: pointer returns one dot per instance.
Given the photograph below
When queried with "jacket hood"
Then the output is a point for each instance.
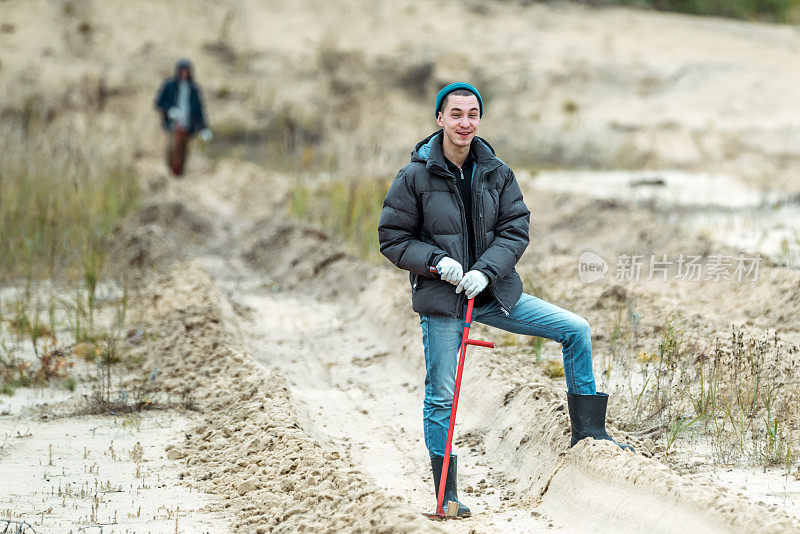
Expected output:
(429, 151)
(183, 64)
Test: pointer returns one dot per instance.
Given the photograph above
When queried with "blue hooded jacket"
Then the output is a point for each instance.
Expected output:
(168, 97)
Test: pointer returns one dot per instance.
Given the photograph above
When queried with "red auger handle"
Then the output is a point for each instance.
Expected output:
(487, 344)
(462, 356)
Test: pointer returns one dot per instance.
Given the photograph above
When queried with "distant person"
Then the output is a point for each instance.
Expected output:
(458, 208)
(182, 114)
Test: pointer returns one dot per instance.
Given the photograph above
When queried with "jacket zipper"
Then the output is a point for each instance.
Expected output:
(453, 189)
(482, 232)
(448, 176)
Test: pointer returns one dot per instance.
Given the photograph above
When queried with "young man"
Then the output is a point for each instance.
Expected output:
(459, 208)
(181, 107)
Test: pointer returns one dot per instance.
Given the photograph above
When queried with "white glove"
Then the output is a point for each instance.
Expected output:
(450, 270)
(173, 113)
(205, 134)
(473, 283)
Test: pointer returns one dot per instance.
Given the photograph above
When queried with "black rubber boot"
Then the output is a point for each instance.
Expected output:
(450, 491)
(588, 416)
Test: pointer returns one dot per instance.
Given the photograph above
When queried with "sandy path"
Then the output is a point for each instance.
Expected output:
(353, 397)
(248, 447)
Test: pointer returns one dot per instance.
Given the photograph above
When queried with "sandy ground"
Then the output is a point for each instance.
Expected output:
(64, 469)
(92, 470)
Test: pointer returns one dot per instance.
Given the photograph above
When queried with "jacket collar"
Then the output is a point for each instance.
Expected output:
(429, 151)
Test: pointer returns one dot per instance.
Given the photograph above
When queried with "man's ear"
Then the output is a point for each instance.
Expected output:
(439, 119)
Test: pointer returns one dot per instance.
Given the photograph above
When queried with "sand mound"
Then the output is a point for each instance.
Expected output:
(529, 429)
(158, 235)
(295, 255)
(177, 216)
(251, 451)
(247, 187)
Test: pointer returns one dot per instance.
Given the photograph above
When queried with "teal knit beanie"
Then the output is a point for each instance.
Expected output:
(447, 89)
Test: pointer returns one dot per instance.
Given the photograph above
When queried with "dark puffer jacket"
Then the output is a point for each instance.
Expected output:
(423, 221)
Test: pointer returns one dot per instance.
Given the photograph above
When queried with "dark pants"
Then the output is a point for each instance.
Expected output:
(177, 150)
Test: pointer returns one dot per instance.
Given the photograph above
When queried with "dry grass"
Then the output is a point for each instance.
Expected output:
(63, 187)
(348, 208)
(346, 196)
(734, 394)
(43, 330)
(553, 368)
(782, 11)
(62, 190)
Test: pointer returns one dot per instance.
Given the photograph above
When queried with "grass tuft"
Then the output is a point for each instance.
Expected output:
(553, 368)
(732, 393)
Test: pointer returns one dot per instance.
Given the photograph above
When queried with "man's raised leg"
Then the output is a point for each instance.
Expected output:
(533, 316)
(536, 317)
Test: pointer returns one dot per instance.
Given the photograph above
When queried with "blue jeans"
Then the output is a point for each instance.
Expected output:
(532, 316)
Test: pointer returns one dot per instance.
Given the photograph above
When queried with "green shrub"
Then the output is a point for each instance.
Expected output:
(782, 11)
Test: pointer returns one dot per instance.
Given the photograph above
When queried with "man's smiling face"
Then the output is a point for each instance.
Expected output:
(459, 118)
